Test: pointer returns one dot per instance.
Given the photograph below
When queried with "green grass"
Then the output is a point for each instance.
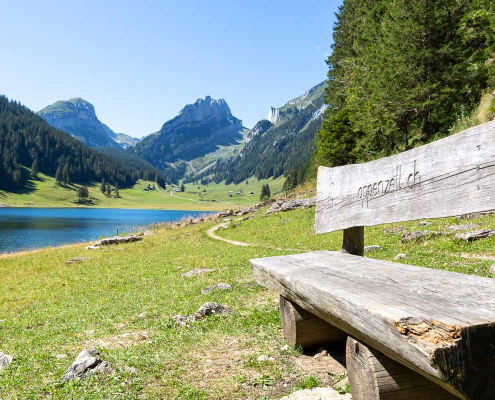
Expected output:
(48, 308)
(45, 192)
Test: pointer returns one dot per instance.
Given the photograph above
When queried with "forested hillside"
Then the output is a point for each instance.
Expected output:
(29, 145)
(276, 149)
(404, 73)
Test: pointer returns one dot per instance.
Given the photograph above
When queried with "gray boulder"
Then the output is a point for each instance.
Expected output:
(87, 363)
(475, 235)
(218, 286)
(290, 205)
(205, 310)
(5, 361)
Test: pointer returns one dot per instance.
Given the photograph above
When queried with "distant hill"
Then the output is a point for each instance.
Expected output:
(28, 144)
(273, 148)
(199, 129)
(78, 118)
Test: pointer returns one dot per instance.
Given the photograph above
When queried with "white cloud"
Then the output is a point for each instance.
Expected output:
(318, 48)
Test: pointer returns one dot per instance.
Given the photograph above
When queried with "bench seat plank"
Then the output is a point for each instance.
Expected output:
(438, 323)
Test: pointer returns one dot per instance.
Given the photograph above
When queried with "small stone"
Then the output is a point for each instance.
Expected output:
(371, 248)
(492, 269)
(463, 227)
(87, 363)
(393, 231)
(262, 358)
(77, 260)
(61, 356)
(411, 236)
(93, 247)
(5, 361)
(425, 223)
(205, 310)
(285, 348)
(400, 256)
(196, 271)
(218, 286)
(475, 235)
(140, 234)
(317, 394)
(321, 353)
(142, 315)
(131, 370)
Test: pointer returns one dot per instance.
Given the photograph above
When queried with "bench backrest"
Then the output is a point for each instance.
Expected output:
(451, 176)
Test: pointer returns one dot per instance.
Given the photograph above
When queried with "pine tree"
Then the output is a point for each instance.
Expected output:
(34, 168)
(182, 188)
(58, 174)
(103, 186)
(109, 190)
(117, 193)
(66, 174)
(82, 194)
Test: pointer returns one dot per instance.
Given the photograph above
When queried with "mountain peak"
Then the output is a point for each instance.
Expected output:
(205, 108)
(77, 117)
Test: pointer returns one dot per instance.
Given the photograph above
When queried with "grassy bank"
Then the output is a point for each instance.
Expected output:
(45, 192)
(122, 301)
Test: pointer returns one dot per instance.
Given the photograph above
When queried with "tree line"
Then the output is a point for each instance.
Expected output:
(28, 145)
(403, 73)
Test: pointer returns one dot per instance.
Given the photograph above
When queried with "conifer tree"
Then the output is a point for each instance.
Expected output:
(34, 168)
(58, 174)
(103, 186)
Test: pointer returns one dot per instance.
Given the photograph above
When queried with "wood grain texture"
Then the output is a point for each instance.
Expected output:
(440, 324)
(451, 176)
(373, 376)
(306, 330)
(353, 242)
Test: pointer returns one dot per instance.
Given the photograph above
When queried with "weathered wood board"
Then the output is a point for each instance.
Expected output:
(440, 324)
(448, 177)
(373, 376)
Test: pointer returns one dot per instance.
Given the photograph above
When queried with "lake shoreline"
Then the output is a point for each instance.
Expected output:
(23, 229)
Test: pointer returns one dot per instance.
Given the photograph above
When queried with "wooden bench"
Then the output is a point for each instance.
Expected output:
(412, 332)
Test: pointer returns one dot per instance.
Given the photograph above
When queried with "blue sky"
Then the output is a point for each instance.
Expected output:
(140, 62)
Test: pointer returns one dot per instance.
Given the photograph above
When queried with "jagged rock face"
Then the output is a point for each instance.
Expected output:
(274, 115)
(260, 128)
(78, 118)
(198, 129)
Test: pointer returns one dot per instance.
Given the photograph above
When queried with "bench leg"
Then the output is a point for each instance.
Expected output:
(303, 329)
(373, 376)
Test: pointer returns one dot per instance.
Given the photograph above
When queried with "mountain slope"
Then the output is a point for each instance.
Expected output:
(28, 142)
(199, 129)
(78, 118)
(272, 150)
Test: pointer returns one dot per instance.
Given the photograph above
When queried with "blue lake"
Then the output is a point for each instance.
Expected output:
(32, 228)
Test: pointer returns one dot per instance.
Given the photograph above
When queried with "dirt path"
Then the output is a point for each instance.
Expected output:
(211, 233)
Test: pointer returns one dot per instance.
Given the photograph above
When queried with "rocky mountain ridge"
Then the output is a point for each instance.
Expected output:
(78, 118)
(199, 128)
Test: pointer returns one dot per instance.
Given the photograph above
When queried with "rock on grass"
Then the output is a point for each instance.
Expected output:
(475, 235)
(196, 271)
(5, 361)
(205, 310)
(371, 248)
(218, 286)
(87, 363)
(317, 394)
(411, 236)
